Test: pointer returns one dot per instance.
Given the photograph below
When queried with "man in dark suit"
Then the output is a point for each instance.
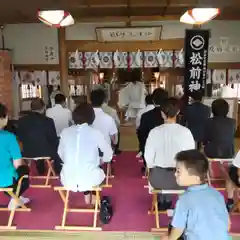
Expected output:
(220, 132)
(151, 119)
(196, 116)
(38, 136)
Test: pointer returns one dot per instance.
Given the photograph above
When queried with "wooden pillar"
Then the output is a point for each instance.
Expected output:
(6, 93)
(63, 61)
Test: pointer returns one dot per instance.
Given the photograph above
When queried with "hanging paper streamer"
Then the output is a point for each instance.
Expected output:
(181, 57)
(96, 58)
(138, 58)
(116, 59)
(78, 62)
(128, 62)
(160, 57)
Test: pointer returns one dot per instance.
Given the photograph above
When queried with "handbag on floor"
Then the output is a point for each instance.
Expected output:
(106, 210)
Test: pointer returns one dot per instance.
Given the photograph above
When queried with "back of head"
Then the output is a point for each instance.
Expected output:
(170, 108)
(83, 113)
(37, 104)
(159, 96)
(148, 99)
(97, 97)
(80, 99)
(197, 96)
(220, 107)
(195, 162)
(3, 116)
(60, 99)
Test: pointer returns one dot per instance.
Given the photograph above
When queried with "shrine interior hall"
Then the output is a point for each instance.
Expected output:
(108, 41)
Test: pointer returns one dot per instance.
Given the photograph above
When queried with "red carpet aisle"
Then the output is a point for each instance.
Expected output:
(130, 199)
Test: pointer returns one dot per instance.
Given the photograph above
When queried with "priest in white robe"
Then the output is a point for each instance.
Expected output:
(132, 97)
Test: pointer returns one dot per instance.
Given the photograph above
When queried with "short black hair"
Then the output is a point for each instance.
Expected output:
(197, 95)
(60, 98)
(148, 99)
(195, 162)
(80, 99)
(170, 107)
(220, 107)
(97, 97)
(3, 111)
(159, 96)
(37, 104)
(83, 113)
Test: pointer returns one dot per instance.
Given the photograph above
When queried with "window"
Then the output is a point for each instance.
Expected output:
(29, 91)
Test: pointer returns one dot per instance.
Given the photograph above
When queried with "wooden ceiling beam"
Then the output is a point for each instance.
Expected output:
(92, 46)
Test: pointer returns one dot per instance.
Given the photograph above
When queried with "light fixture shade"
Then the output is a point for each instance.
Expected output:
(56, 18)
(199, 15)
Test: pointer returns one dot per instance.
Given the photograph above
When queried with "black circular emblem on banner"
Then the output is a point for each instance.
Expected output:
(197, 42)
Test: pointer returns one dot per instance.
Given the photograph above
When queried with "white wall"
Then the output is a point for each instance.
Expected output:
(28, 41)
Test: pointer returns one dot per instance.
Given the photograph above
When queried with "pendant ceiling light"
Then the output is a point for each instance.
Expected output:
(56, 18)
(199, 15)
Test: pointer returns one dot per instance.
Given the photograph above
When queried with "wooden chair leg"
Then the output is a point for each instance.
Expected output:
(154, 209)
(95, 210)
(97, 203)
(65, 210)
(108, 176)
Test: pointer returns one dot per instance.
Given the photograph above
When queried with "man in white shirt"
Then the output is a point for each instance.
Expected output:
(103, 122)
(61, 115)
(163, 143)
(149, 106)
(113, 113)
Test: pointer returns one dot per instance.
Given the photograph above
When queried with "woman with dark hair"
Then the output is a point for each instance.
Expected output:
(79, 149)
(163, 143)
(11, 164)
(219, 132)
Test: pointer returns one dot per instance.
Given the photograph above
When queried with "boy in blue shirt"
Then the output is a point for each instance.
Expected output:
(200, 213)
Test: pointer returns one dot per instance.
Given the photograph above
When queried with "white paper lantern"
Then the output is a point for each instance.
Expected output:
(56, 18)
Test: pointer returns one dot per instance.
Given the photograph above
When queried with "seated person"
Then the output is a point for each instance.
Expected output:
(79, 149)
(200, 212)
(60, 114)
(220, 132)
(196, 116)
(233, 183)
(38, 136)
(113, 113)
(151, 119)
(103, 122)
(163, 143)
(11, 161)
(149, 106)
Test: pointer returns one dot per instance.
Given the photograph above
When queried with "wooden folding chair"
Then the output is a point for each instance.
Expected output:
(65, 197)
(210, 175)
(108, 175)
(15, 196)
(146, 175)
(50, 171)
(154, 208)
